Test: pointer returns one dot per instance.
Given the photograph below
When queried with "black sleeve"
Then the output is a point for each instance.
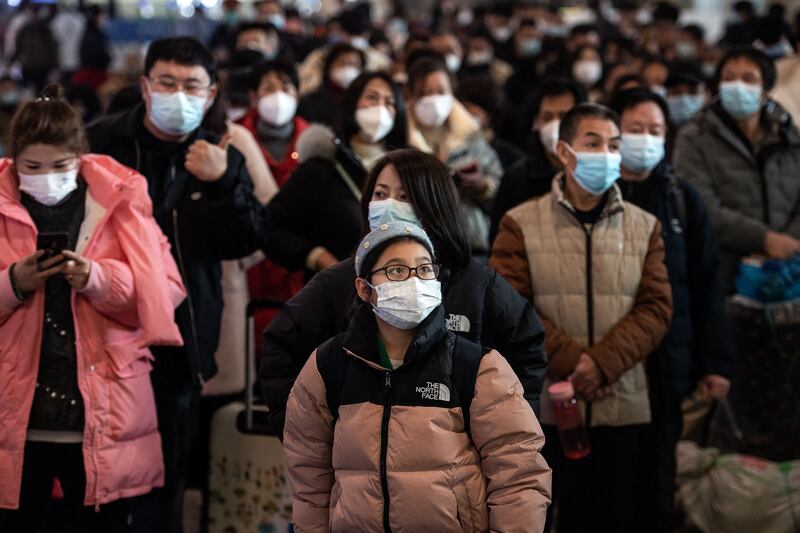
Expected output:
(313, 315)
(292, 213)
(713, 346)
(513, 328)
(230, 218)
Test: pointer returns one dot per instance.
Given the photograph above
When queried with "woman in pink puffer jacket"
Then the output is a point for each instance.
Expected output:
(76, 321)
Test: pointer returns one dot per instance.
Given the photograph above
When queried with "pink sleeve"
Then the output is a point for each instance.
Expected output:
(111, 290)
(8, 300)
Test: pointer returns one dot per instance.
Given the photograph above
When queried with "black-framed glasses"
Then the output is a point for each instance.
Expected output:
(427, 271)
(168, 84)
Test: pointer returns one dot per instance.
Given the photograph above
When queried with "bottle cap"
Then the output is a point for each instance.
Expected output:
(561, 391)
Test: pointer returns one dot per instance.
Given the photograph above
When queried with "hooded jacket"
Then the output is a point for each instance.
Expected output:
(479, 305)
(204, 222)
(127, 305)
(319, 206)
(398, 457)
(462, 143)
(748, 191)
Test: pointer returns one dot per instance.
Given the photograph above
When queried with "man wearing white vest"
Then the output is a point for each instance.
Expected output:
(593, 265)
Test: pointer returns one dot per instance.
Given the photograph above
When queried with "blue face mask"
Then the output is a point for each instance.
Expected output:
(684, 106)
(740, 99)
(596, 172)
(390, 210)
(530, 47)
(641, 153)
(177, 113)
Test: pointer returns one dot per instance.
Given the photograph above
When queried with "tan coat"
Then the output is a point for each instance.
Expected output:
(438, 476)
(544, 252)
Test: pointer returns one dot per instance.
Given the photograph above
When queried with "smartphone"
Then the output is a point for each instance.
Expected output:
(52, 244)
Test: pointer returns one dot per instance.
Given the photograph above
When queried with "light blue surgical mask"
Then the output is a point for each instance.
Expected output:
(391, 210)
(530, 47)
(596, 172)
(740, 99)
(683, 107)
(641, 152)
(177, 113)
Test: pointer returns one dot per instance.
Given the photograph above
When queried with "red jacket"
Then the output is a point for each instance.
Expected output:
(127, 305)
(281, 170)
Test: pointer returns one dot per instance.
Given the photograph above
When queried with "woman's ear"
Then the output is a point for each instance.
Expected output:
(362, 289)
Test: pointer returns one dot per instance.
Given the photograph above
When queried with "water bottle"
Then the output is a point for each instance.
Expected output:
(569, 420)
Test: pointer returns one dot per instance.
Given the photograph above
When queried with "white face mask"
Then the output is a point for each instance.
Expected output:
(391, 210)
(236, 113)
(548, 134)
(479, 57)
(453, 62)
(344, 76)
(277, 109)
(405, 304)
(432, 111)
(375, 122)
(51, 188)
(587, 71)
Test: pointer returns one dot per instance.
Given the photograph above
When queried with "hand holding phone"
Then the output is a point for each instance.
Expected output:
(52, 245)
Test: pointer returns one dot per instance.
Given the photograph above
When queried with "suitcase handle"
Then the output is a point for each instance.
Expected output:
(250, 356)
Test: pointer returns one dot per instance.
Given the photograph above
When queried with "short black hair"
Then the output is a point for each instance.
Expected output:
(265, 67)
(266, 27)
(483, 92)
(183, 50)
(624, 100)
(762, 60)
(337, 50)
(695, 30)
(582, 29)
(666, 11)
(423, 68)
(551, 87)
(745, 6)
(571, 121)
(398, 135)
(423, 52)
(685, 73)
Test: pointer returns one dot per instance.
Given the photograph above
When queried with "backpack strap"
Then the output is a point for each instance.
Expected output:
(678, 201)
(467, 357)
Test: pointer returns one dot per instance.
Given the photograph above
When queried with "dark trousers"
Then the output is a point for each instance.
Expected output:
(599, 492)
(177, 400)
(39, 513)
(658, 465)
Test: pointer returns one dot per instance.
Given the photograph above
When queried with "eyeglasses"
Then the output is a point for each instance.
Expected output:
(428, 271)
(168, 84)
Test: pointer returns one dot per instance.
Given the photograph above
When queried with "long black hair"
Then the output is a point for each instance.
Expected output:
(433, 195)
(398, 136)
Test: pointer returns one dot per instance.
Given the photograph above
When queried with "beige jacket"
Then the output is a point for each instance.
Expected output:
(601, 290)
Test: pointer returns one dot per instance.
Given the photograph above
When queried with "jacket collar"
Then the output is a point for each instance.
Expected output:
(103, 175)
(360, 339)
(614, 202)
(460, 128)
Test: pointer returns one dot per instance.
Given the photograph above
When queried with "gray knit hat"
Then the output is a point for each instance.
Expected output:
(387, 232)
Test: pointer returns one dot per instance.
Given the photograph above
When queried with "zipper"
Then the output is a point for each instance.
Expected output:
(387, 410)
(589, 306)
(181, 266)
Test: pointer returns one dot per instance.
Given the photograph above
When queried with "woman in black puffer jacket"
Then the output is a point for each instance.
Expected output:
(479, 304)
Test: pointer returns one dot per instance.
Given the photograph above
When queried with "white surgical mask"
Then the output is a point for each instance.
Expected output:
(479, 57)
(587, 71)
(405, 304)
(51, 188)
(391, 210)
(453, 62)
(344, 76)
(548, 134)
(177, 113)
(236, 113)
(432, 111)
(277, 109)
(375, 122)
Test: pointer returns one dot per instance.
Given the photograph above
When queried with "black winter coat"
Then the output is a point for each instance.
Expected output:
(479, 305)
(529, 178)
(317, 207)
(204, 222)
(699, 339)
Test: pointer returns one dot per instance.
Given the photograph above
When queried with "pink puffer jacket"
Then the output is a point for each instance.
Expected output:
(127, 305)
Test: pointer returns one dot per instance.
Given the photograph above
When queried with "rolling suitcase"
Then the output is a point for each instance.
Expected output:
(248, 486)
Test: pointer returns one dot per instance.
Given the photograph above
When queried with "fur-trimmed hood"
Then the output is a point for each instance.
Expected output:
(317, 141)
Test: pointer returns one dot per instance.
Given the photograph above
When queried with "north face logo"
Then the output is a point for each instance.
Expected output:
(434, 391)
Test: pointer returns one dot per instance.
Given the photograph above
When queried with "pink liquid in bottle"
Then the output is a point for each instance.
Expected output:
(569, 420)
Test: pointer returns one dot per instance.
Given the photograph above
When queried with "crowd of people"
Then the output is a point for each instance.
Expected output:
(458, 208)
